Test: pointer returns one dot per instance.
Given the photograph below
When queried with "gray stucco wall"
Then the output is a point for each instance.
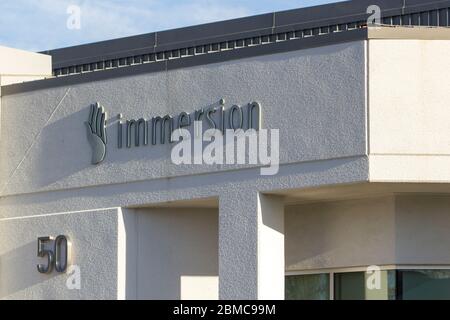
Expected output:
(316, 97)
(94, 238)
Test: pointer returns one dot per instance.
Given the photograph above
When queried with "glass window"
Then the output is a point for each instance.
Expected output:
(364, 286)
(386, 285)
(308, 287)
(349, 286)
(423, 284)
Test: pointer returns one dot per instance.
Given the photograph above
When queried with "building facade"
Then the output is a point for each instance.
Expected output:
(92, 205)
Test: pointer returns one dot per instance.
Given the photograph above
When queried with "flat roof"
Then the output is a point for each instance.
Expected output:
(346, 15)
(235, 39)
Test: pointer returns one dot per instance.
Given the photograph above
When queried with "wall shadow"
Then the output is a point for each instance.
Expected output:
(18, 271)
(169, 245)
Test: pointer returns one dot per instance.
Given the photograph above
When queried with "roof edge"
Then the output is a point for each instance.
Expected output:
(196, 60)
(408, 33)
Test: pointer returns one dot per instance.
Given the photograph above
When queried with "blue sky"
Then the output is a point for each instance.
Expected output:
(42, 24)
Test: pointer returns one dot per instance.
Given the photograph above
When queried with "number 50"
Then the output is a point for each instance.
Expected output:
(57, 255)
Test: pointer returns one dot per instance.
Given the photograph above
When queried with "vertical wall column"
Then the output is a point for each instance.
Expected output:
(251, 246)
(0, 111)
(271, 261)
(127, 255)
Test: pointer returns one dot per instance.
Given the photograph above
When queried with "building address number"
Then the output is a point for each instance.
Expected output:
(57, 252)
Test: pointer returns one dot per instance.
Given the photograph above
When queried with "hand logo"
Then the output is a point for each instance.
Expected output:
(96, 132)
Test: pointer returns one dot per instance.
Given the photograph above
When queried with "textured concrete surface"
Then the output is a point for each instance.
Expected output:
(251, 246)
(238, 245)
(340, 234)
(93, 235)
(408, 109)
(175, 254)
(306, 175)
(384, 230)
(316, 97)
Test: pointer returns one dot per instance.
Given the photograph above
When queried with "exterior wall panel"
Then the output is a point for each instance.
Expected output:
(315, 97)
(408, 110)
(94, 238)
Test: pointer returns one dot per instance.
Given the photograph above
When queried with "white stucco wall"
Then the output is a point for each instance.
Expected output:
(423, 222)
(172, 254)
(19, 66)
(409, 90)
(393, 230)
(340, 234)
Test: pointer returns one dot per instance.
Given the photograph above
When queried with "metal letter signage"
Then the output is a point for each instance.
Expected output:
(96, 131)
(57, 252)
(162, 127)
